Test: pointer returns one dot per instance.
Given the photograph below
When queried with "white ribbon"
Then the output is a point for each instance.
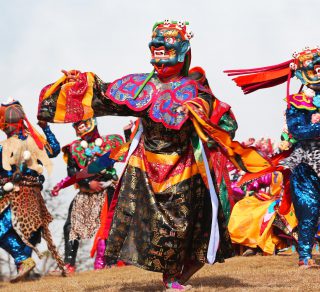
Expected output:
(214, 235)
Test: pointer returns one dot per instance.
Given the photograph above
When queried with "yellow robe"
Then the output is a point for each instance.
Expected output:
(247, 216)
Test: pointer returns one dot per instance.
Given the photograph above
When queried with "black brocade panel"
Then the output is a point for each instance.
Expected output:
(159, 232)
(159, 139)
(162, 231)
(48, 108)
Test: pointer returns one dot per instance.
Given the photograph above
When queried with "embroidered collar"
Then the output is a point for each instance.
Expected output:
(163, 98)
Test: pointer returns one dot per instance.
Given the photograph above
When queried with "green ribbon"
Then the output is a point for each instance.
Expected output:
(143, 84)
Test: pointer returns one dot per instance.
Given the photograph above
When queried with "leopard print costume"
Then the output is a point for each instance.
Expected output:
(85, 214)
(29, 213)
(308, 153)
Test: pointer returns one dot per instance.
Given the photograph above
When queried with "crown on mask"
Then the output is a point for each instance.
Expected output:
(180, 26)
(301, 59)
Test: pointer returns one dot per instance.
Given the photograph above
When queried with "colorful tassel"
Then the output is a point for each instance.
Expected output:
(254, 79)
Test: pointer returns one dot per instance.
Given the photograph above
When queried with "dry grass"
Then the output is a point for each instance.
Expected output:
(276, 273)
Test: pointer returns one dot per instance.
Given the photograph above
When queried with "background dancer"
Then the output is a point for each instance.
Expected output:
(83, 219)
(303, 120)
(24, 217)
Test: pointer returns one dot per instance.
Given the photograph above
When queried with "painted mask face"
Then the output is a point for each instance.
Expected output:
(168, 46)
(307, 67)
(84, 127)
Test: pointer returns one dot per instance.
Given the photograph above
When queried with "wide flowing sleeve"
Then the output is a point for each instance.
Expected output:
(223, 116)
(86, 97)
(244, 158)
(228, 123)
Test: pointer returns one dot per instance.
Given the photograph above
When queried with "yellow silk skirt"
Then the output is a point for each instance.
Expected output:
(245, 224)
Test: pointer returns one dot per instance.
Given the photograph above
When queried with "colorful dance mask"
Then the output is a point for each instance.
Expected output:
(11, 117)
(85, 127)
(306, 66)
(170, 43)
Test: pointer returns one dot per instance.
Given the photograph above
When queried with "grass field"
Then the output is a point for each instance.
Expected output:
(257, 273)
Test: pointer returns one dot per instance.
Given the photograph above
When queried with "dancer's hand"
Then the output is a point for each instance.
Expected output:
(182, 109)
(96, 186)
(315, 118)
(71, 75)
(106, 184)
(55, 191)
(42, 124)
(284, 145)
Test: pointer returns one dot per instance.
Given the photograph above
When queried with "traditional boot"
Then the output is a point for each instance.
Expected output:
(171, 283)
(308, 264)
(71, 249)
(100, 261)
(69, 270)
(121, 264)
(250, 252)
(24, 268)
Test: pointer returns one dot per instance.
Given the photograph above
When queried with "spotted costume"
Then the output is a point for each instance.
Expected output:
(23, 214)
(84, 213)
